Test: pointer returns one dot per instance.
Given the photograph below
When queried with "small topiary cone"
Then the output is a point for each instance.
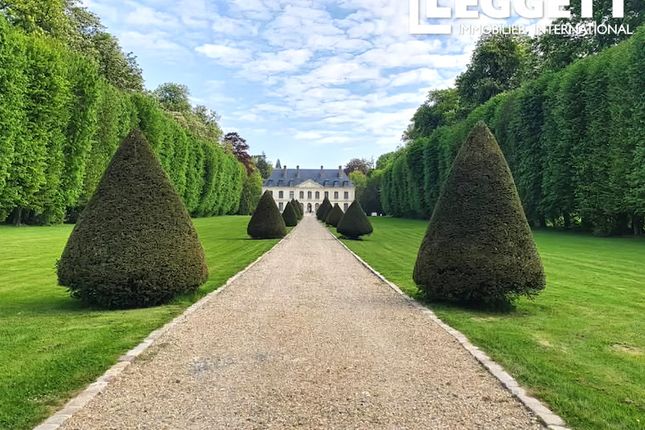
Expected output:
(323, 210)
(266, 222)
(298, 209)
(289, 215)
(134, 244)
(354, 223)
(478, 247)
(334, 216)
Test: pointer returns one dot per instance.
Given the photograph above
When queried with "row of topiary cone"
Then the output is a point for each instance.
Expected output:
(352, 224)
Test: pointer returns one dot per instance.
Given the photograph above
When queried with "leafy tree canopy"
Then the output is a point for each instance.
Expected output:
(359, 164)
(238, 146)
(500, 62)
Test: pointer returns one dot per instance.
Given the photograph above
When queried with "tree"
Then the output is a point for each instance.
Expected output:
(500, 62)
(334, 216)
(206, 123)
(160, 255)
(478, 247)
(240, 149)
(38, 16)
(358, 164)
(557, 50)
(173, 97)
(440, 108)
(266, 222)
(323, 210)
(359, 179)
(354, 222)
(370, 199)
(289, 215)
(251, 192)
(263, 165)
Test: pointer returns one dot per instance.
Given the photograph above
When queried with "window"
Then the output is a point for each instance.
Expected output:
(292, 195)
(280, 194)
(346, 195)
(309, 195)
(317, 206)
(346, 205)
(317, 195)
(336, 195)
(271, 192)
(281, 205)
(327, 194)
(302, 194)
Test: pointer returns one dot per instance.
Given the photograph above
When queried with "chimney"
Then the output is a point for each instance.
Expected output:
(321, 171)
(284, 171)
(297, 171)
(340, 171)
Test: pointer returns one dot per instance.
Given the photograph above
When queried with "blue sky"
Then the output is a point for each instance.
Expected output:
(310, 82)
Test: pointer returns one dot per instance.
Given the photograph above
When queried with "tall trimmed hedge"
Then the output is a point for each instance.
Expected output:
(574, 140)
(60, 124)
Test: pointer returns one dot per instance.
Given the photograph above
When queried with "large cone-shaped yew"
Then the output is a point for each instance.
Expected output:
(267, 221)
(134, 244)
(478, 247)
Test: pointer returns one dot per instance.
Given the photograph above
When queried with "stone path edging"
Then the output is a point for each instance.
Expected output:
(548, 417)
(55, 421)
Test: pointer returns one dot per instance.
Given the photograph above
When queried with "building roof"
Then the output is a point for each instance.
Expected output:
(293, 177)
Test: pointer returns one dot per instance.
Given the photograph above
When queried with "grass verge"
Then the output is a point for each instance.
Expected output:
(579, 346)
(52, 346)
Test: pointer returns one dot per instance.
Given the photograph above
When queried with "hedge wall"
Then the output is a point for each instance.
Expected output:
(60, 123)
(575, 142)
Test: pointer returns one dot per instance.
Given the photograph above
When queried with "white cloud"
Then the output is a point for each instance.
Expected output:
(226, 55)
(416, 76)
(148, 17)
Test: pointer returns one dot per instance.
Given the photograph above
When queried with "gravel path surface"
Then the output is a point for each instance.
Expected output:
(308, 338)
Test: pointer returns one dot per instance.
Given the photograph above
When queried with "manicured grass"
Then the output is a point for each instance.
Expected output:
(51, 346)
(579, 346)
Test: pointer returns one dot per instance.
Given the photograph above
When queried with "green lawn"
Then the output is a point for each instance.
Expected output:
(579, 346)
(51, 346)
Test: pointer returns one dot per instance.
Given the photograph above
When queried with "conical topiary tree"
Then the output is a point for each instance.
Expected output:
(301, 210)
(478, 247)
(134, 245)
(354, 222)
(334, 216)
(289, 215)
(323, 210)
(298, 208)
(266, 222)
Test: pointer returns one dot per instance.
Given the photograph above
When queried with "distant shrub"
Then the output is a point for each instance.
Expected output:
(266, 222)
(134, 244)
(289, 215)
(323, 210)
(354, 223)
(334, 216)
(298, 208)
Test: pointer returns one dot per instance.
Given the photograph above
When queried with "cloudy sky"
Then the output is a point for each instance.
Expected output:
(310, 82)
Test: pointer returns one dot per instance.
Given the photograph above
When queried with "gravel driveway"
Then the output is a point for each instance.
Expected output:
(308, 338)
